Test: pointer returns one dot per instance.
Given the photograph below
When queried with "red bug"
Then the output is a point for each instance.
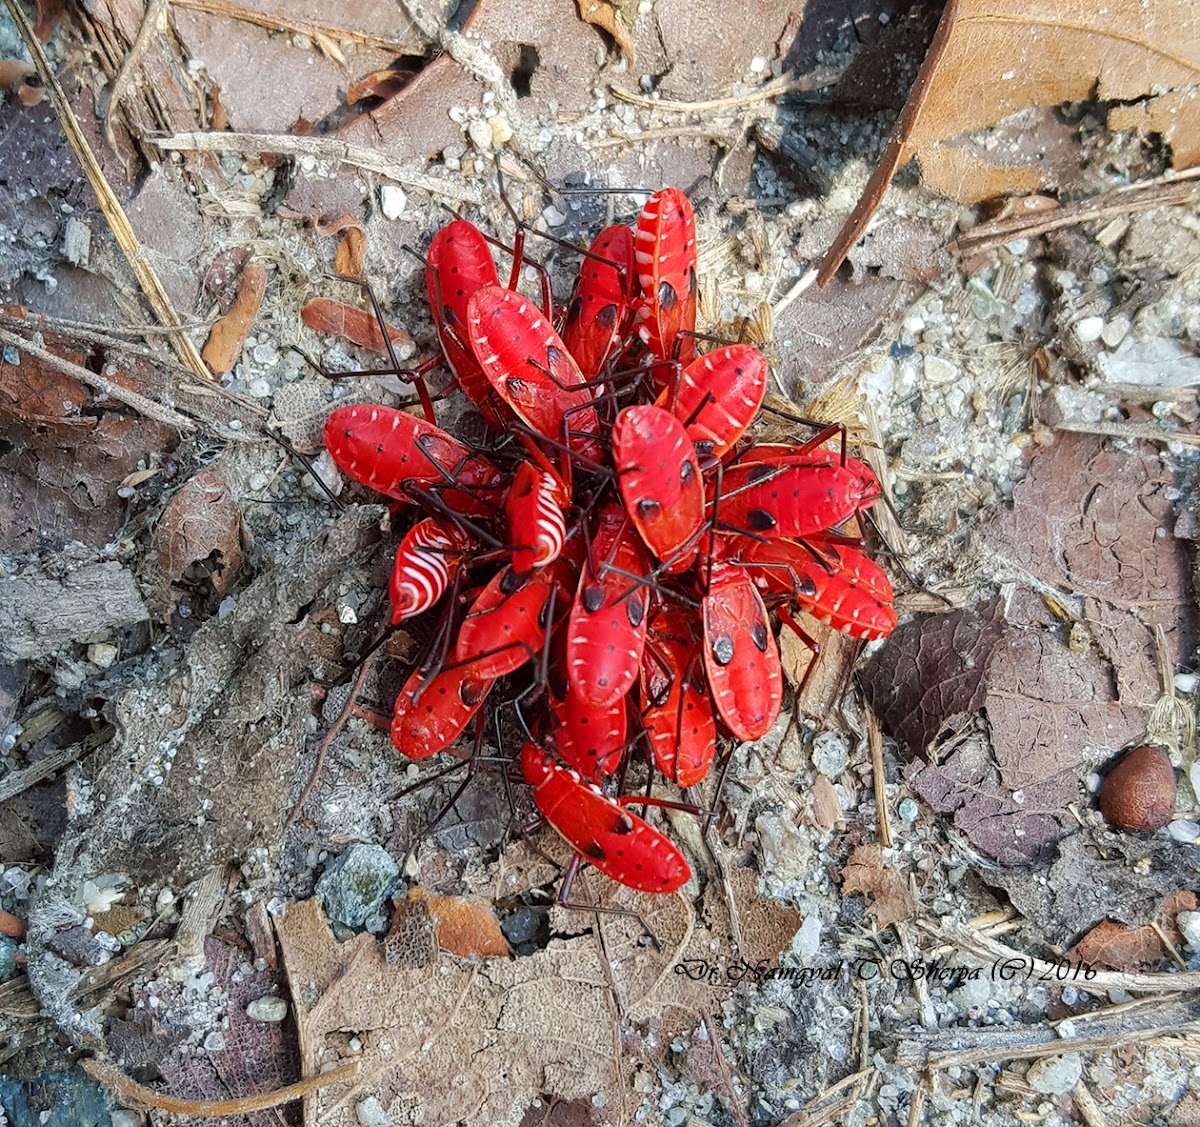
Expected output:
(719, 396)
(849, 592)
(606, 632)
(426, 561)
(659, 477)
(530, 368)
(591, 740)
(741, 657)
(506, 625)
(598, 314)
(794, 499)
(440, 712)
(677, 712)
(459, 263)
(621, 845)
(389, 449)
(665, 255)
(536, 525)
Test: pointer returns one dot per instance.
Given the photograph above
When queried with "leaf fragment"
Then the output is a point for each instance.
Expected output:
(228, 334)
(602, 14)
(202, 519)
(337, 319)
(866, 873)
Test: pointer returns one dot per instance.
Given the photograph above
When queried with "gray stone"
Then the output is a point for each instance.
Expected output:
(356, 883)
(268, 1009)
(1055, 1076)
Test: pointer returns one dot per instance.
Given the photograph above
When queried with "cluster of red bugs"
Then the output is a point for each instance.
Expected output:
(620, 534)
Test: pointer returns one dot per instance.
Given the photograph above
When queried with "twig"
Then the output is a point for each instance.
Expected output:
(1087, 1107)
(666, 132)
(988, 949)
(805, 282)
(132, 1094)
(879, 782)
(114, 213)
(894, 151)
(1175, 189)
(1131, 430)
(328, 739)
(1171, 949)
(320, 148)
(714, 1037)
(19, 781)
(151, 22)
(816, 80)
(140, 403)
(276, 21)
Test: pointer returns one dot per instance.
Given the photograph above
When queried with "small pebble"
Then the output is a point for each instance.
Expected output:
(102, 654)
(1189, 927)
(259, 481)
(553, 217)
(1055, 1076)
(908, 810)
(939, 370)
(370, 1113)
(1184, 830)
(235, 424)
(501, 130)
(355, 884)
(123, 1117)
(480, 133)
(227, 607)
(830, 755)
(392, 199)
(1088, 329)
(215, 1041)
(267, 1009)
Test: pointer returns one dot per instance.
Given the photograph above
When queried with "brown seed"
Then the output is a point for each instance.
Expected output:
(1138, 794)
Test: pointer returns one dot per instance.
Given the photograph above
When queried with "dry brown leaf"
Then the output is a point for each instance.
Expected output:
(299, 410)
(865, 873)
(218, 116)
(601, 14)
(828, 681)
(340, 320)
(1113, 946)
(464, 925)
(13, 73)
(351, 253)
(380, 84)
(202, 518)
(827, 811)
(448, 1042)
(991, 58)
(225, 341)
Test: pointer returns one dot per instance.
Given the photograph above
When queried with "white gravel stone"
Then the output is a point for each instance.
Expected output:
(392, 199)
(480, 133)
(268, 1009)
(102, 654)
(1189, 927)
(1055, 1076)
(1088, 329)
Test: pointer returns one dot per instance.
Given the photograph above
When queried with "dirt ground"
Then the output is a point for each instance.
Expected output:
(217, 878)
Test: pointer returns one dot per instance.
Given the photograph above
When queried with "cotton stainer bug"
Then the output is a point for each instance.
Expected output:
(660, 482)
(741, 657)
(843, 588)
(506, 625)
(793, 499)
(665, 256)
(602, 304)
(458, 263)
(392, 451)
(535, 505)
(719, 396)
(426, 561)
(431, 714)
(531, 370)
(602, 832)
(591, 740)
(676, 711)
(606, 632)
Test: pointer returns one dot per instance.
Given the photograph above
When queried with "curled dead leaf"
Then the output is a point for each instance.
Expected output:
(228, 334)
(464, 925)
(351, 253)
(200, 520)
(889, 899)
(380, 84)
(991, 58)
(337, 319)
(1113, 946)
(602, 14)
